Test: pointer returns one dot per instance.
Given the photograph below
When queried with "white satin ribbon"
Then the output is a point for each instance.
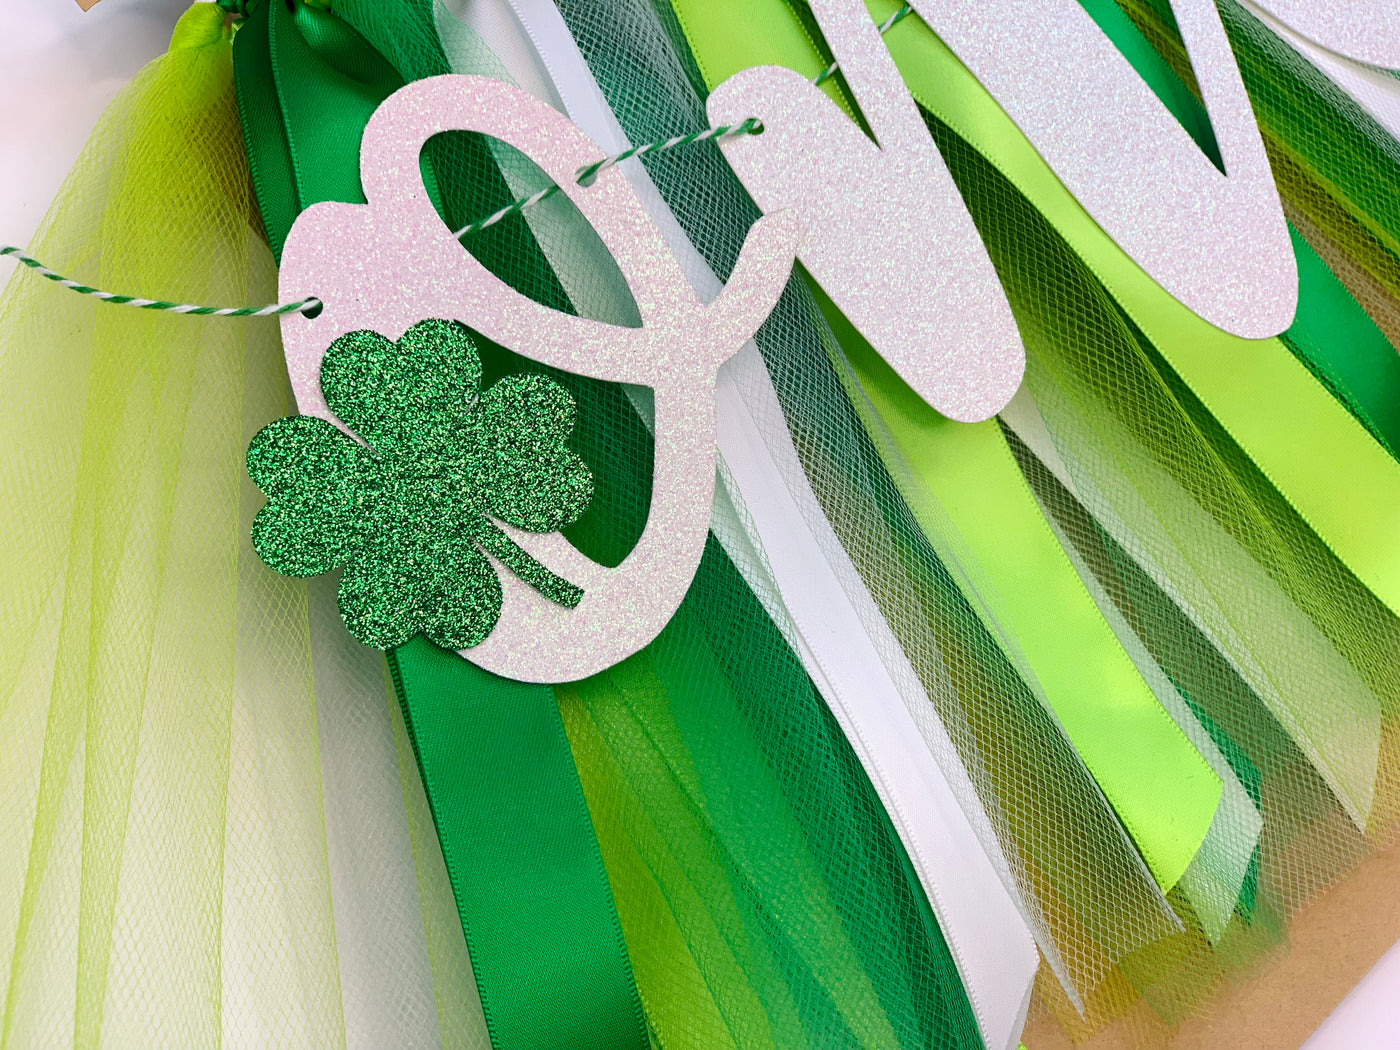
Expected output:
(1215, 876)
(964, 876)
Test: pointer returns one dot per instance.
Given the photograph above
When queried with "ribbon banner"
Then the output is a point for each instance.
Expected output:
(861, 501)
(1180, 224)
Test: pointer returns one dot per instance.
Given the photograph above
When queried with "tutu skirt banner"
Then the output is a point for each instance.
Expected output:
(882, 520)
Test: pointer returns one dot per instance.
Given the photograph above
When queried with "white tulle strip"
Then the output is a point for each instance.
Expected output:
(774, 528)
(1375, 90)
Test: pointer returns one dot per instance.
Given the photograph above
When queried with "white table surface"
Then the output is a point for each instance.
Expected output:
(60, 67)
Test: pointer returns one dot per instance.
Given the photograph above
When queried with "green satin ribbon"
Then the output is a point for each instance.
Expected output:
(1340, 345)
(538, 915)
(1162, 789)
(1349, 185)
(536, 906)
(1324, 463)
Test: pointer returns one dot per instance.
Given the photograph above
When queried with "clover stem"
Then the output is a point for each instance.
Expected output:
(518, 560)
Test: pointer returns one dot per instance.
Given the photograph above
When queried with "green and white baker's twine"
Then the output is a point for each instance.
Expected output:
(310, 307)
(884, 27)
(302, 306)
(586, 174)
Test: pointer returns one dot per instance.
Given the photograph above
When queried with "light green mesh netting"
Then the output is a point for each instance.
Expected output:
(164, 876)
(1236, 601)
(159, 719)
(763, 893)
(1064, 843)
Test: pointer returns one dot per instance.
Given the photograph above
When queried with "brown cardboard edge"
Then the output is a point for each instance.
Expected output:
(1334, 942)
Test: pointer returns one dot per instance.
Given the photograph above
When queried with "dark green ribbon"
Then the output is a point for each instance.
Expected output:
(1332, 335)
(534, 899)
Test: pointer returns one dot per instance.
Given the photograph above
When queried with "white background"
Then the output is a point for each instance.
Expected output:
(60, 67)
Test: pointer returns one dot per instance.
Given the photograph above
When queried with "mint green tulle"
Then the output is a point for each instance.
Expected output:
(165, 877)
(762, 891)
(1220, 590)
(1082, 884)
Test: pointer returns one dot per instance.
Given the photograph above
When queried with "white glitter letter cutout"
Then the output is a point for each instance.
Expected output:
(1217, 243)
(390, 263)
(1364, 30)
(888, 236)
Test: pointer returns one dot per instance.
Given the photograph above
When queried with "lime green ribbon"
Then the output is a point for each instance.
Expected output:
(1315, 453)
(1160, 786)
(1331, 334)
(534, 899)
(1314, 447)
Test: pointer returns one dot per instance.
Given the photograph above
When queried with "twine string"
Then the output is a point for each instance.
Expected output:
(588, 174)
(311, 306)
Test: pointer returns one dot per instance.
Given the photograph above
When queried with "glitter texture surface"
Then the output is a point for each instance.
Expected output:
(1365, 30)
(888, 236)
(385, 265)
(409, 514)
(1218, 244)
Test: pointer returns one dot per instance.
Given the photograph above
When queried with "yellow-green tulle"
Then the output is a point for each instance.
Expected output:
(164, 872)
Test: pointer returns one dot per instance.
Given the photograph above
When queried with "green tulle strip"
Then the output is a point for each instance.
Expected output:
(1339, 174)
(163, 874)
(1273, 623)
(1066, 845)
(762, 891)
(708, 744)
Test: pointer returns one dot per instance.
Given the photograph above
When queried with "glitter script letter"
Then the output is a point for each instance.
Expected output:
(392, 262)
(888, 236)
(1365, 30)
(1216, 242)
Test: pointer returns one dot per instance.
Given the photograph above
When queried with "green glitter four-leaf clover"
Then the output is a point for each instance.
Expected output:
(409, 514)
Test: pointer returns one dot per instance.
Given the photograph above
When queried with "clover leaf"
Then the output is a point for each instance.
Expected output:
(411, 514)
